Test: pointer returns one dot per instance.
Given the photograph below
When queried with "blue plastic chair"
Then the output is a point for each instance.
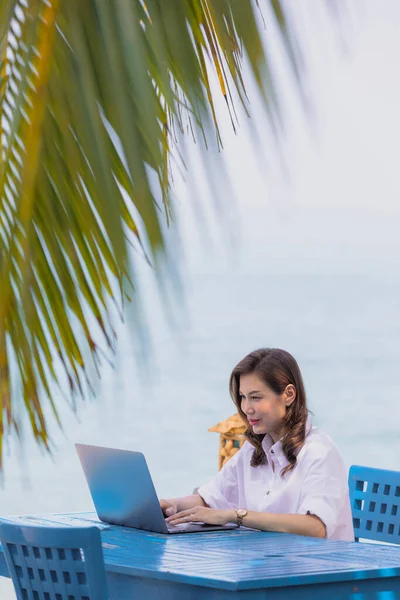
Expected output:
(375, 503)
(54, 563)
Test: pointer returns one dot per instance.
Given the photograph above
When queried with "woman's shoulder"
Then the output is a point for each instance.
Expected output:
(319, 444)
(245, 450)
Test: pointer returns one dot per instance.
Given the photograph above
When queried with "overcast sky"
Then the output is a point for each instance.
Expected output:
(335, 207)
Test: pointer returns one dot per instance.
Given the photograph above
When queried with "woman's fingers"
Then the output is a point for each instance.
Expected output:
(168, 507)
(180, 515)
(184, 516)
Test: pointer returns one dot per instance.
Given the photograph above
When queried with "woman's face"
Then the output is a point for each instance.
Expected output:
(264, 409)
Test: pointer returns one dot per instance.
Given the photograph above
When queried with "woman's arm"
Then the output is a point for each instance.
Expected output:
(189, 502)
(180, 504)
(310, 525)
(286, 523)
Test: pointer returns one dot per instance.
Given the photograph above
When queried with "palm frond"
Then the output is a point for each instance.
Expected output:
(90, 94)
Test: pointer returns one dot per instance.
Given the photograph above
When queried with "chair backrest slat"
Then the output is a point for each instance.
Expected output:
(54, 563)
(375, 503)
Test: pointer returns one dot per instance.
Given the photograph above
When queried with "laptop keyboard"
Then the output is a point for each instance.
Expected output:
(180, 526)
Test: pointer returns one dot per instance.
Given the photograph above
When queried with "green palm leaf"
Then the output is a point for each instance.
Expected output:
(90, 93)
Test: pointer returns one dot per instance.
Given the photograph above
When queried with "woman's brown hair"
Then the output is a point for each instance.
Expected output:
(277, 368)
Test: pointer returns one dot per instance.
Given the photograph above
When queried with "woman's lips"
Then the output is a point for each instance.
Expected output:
(253, 421)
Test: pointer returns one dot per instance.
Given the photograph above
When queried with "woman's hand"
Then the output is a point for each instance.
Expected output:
(201, 514)
(168, 507)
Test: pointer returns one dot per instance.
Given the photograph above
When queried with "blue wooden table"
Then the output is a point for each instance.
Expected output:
(240, 564)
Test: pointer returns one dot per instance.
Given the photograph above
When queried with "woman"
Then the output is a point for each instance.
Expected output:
(287, 476)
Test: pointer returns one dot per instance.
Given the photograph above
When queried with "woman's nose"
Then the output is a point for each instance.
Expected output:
(246, 408)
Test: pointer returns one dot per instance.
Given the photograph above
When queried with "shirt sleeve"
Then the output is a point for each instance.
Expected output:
(222, 490)
(325, 490)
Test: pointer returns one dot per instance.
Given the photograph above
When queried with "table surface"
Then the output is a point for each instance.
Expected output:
(232, 560)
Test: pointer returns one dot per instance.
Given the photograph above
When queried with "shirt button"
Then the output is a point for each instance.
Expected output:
(272, 451)
(268, 492)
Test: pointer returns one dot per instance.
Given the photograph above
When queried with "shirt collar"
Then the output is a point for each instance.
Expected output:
(275, 452)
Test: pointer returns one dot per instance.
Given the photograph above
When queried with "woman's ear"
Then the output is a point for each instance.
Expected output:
(289, 394)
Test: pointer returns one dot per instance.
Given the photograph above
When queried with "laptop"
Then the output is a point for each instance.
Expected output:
(123, 492)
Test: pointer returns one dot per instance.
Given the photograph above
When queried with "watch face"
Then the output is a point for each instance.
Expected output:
(241, 512)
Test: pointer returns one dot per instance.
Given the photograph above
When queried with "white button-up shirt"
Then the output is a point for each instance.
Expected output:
(317, 484)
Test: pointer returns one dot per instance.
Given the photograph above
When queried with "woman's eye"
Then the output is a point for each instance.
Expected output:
(256, 397)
